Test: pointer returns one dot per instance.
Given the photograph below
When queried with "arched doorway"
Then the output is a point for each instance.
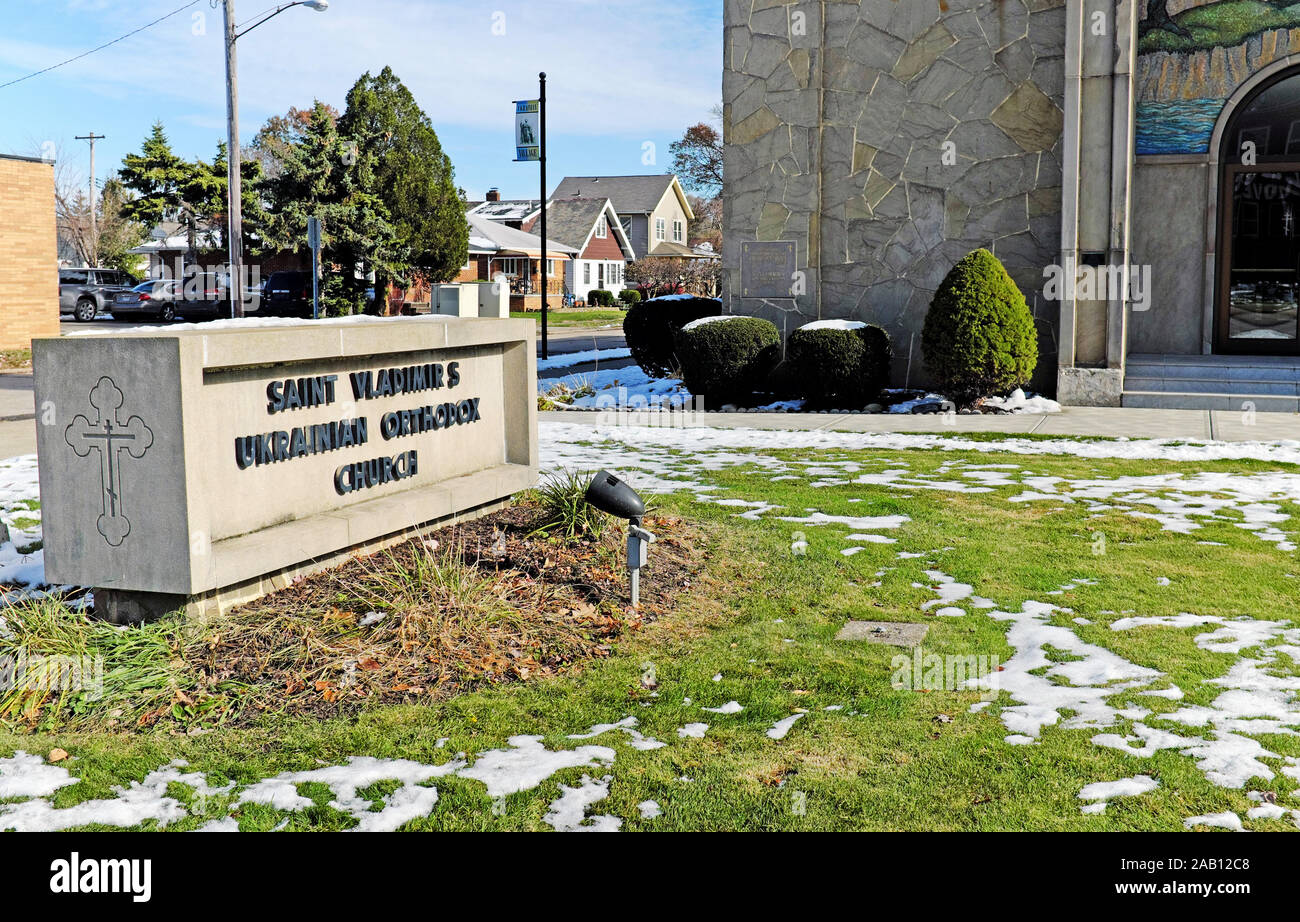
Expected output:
(1257, 304)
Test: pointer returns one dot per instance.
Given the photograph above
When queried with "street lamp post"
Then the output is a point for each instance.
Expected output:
(234, 184)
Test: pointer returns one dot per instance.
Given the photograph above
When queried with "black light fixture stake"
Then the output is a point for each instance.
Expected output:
(609, 494)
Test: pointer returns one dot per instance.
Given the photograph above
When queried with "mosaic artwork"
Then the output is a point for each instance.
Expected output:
(1193, 54)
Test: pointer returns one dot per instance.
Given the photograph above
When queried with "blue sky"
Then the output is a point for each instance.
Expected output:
(621, 74)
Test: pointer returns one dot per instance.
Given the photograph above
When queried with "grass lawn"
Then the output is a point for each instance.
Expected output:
(1092, 569)
(575, 319)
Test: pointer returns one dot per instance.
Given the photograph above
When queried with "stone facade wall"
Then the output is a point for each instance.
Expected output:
(888, 141)
(29, 258)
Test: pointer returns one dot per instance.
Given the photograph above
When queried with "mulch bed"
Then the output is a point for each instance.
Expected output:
(507, 605)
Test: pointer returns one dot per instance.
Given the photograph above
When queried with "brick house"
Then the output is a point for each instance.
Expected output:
(497, 250)
(29, 252)
(592, 228)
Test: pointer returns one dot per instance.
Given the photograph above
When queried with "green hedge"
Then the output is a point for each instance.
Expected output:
(727, 360)
(979, 337)
(629, 296)
(836, 367)
(600, 297)
(649, 327)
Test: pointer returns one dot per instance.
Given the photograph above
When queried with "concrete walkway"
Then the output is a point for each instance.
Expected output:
(1104, 422)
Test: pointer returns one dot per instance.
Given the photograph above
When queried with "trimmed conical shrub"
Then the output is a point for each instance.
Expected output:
(979, 337)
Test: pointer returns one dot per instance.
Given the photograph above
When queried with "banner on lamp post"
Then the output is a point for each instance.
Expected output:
(528, 132)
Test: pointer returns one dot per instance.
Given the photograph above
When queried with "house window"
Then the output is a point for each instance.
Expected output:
(677, 231)
(660, 228)
(602, 228)
(615, 273)
(586, 273)
(510, 266)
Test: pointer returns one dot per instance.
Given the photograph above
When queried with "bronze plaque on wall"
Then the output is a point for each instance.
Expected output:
(767, 269)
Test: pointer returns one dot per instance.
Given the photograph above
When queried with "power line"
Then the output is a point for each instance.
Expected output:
(120, 38)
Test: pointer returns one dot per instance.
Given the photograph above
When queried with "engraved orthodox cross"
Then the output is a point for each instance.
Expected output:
(109, 436)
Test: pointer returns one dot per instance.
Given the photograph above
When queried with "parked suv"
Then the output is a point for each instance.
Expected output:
(83, 293)
(287, 294)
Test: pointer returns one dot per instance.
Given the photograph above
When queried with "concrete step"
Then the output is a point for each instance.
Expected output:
(1275, 388)
(1230, 368)
(1188, 400)
(1234, 372)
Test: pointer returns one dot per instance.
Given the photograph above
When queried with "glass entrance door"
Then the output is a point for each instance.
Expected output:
(1261, 230)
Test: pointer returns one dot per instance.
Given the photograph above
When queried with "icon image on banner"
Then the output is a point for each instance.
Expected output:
(527, 130)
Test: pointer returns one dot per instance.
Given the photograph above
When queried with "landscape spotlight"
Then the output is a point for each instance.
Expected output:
(609, 494)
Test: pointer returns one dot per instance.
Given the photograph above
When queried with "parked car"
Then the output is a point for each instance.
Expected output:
(287, 294)
(203, 297)
(156, 299)
(84, 293)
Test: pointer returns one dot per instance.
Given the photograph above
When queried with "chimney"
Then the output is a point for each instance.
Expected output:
(494, 194)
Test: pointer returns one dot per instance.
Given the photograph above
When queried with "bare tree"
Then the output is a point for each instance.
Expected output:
(697, 156)
(113, 236)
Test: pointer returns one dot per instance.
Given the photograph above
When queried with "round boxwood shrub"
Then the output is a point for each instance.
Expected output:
(839, 363)
(979, 337)
(649, 327)
(629, 296)
(600, 297)
(724, 359)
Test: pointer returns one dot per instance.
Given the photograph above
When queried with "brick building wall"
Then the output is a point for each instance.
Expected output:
(477, 271)
(29, 260)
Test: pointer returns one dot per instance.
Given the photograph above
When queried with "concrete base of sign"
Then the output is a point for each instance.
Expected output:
(206, 466)
(119, 607)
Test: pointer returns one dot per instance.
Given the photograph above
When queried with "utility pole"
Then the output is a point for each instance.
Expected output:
(234, 190)
(94, 229)
(545, 280)
(235, 224)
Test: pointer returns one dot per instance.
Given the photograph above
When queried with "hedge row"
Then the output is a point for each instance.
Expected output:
(979, 339)
(650, 326)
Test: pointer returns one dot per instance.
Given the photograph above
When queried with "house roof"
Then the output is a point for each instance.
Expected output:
(666, 248)
(630, 194)
(510, 210)
(502, 240)
(573, 221)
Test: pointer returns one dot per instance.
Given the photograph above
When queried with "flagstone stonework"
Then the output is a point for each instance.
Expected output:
(1081, 141)
(888, 139)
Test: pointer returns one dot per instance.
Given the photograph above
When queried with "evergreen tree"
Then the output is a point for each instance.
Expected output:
(324, 175)
(162, 182)
(404, 164)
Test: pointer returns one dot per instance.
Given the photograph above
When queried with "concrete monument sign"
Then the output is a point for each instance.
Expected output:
(767, 269)
(205, 466)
